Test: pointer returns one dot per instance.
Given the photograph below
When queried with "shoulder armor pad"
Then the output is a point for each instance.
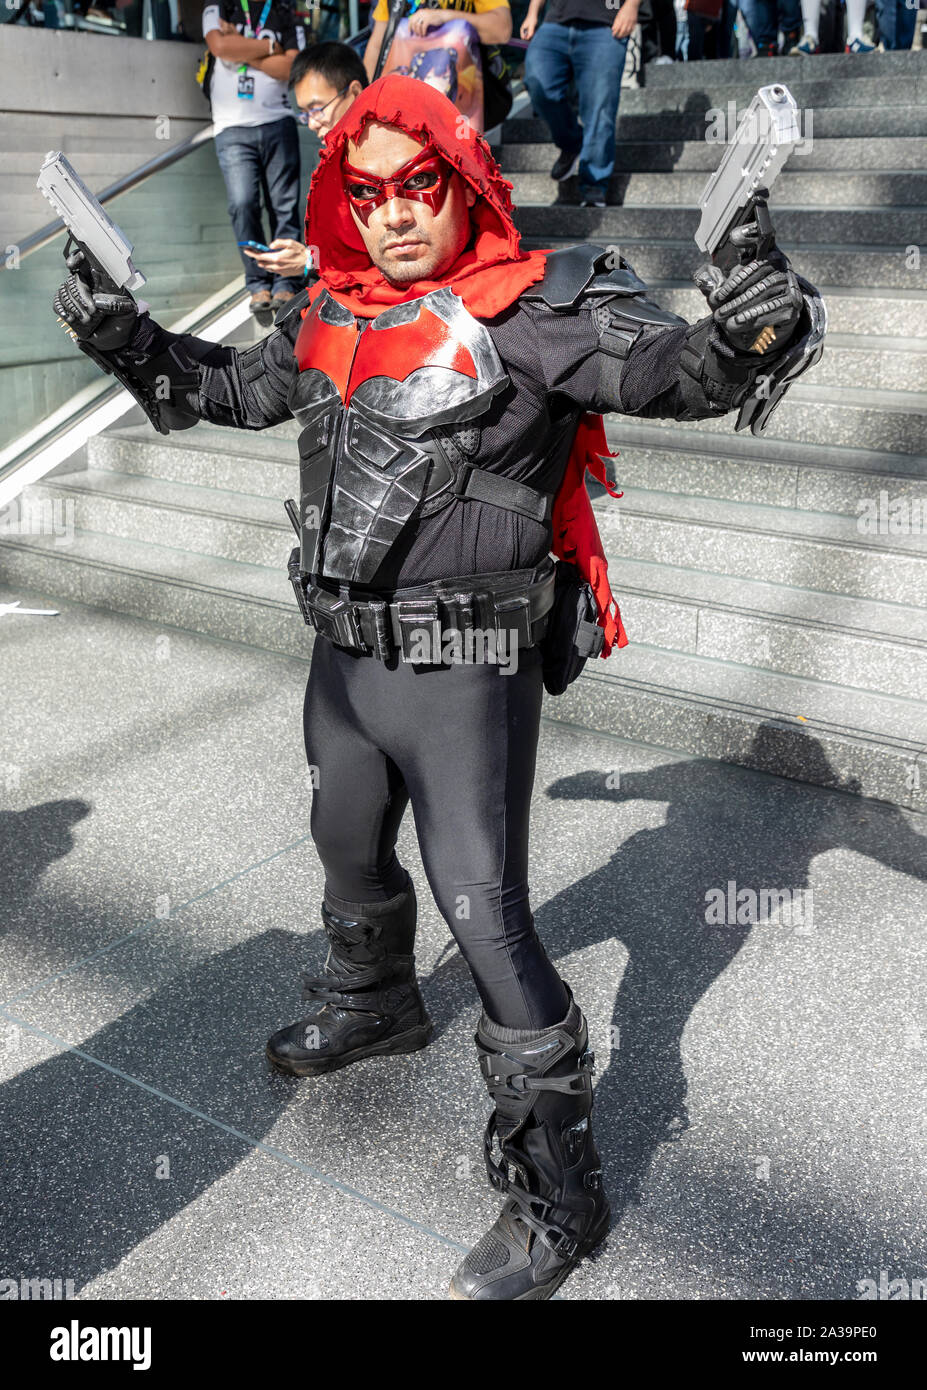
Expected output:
(296, 304)
(577, 271)
(636, 309)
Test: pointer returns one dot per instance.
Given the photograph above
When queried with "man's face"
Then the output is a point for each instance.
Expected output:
(323, 103)
(407, 240)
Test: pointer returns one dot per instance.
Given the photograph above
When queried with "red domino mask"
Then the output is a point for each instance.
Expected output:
(423, 179)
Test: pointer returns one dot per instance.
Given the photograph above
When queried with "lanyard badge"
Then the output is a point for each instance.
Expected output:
(245, 76)
(249, 32)
(423, 179)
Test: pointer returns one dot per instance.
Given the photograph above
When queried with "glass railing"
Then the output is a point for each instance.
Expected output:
(178, 222)
(177, 219)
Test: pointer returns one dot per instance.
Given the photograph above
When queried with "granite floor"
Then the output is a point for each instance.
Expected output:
(761, 1086)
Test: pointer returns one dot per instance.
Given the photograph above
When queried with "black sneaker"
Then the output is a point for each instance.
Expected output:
(594, 200)
(565, 166)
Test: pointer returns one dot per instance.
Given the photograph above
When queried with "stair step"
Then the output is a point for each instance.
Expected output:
(811, 550)
(669, 123)
(806, 730)
(875, 190)
(790, 69)
(812, 91)
(864, 712)
(893, 420)
(879, 647)
(854, 154)
(862, 313)
(885, 229)
(837, 270)
(811, 477)
(220, 598)
(262, 462)
(207, 521)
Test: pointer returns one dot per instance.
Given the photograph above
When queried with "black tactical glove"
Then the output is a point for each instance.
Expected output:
(103, 316)
(758, 305)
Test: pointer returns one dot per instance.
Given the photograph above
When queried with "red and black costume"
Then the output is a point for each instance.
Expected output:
(446, 432)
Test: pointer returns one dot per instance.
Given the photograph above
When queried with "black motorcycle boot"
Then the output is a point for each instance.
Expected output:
(556, 1211)
(367, 1002)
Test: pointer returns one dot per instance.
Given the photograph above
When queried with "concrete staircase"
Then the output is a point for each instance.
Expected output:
(761, 617)
(766, 628)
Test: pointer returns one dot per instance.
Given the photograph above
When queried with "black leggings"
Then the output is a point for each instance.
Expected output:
(460, 743)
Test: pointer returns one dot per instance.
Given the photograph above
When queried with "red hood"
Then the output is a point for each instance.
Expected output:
(489, 275)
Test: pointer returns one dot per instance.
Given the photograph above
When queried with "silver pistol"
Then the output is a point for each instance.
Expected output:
(766, 135)
(108, 250)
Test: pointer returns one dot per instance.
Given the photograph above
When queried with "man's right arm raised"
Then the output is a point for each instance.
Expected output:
(176, 378)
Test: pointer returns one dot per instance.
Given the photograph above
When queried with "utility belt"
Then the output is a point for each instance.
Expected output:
(509, 607)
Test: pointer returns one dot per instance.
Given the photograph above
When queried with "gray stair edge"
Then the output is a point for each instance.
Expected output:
(775, 616)
(609, 524)
(59, 483)
(695, 725)
(700, 726)
(743, 447)
(219, 614)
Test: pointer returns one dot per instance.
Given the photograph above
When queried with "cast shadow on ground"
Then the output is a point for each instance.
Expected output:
(722, 823)
(80, 1145)
(30, 841)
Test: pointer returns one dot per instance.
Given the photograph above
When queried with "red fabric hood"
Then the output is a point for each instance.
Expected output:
(488, 275)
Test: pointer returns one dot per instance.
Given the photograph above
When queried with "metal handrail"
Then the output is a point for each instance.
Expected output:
(137, 176)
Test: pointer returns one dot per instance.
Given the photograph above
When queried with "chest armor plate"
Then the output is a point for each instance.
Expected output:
(388, 409)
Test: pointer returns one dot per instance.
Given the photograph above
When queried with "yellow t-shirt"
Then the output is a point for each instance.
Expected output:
(466, 6)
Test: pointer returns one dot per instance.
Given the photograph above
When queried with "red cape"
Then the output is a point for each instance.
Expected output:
(489, 275)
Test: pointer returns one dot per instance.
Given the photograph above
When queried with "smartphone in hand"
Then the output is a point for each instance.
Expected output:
(254, 246)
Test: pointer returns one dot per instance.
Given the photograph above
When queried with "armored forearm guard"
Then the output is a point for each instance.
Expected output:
(159, 370)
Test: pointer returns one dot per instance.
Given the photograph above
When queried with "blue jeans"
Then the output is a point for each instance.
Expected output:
(256, 159)
(897, 22)
(595, 60)
(766, 17)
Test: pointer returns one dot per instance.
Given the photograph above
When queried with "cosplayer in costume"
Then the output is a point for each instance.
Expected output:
(447, 424)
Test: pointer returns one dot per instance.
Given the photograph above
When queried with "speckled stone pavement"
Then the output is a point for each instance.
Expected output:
(760, 1086)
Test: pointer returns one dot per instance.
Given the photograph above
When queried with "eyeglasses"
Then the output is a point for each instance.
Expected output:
(314, 113)
(422, 179)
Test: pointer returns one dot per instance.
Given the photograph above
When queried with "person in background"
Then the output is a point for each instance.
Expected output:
(856, 13)
(712, 37)
(657, 19)
(254, 43)
(492, 20)
(897, 24)
(587, 41)
(764, 19)
(325, 80)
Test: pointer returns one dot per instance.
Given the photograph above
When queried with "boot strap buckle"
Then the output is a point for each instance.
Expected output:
(554, 1237)
(562, 1245)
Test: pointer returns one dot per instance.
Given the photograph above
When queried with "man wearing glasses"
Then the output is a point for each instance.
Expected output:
(253, 43)
(325, 80)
